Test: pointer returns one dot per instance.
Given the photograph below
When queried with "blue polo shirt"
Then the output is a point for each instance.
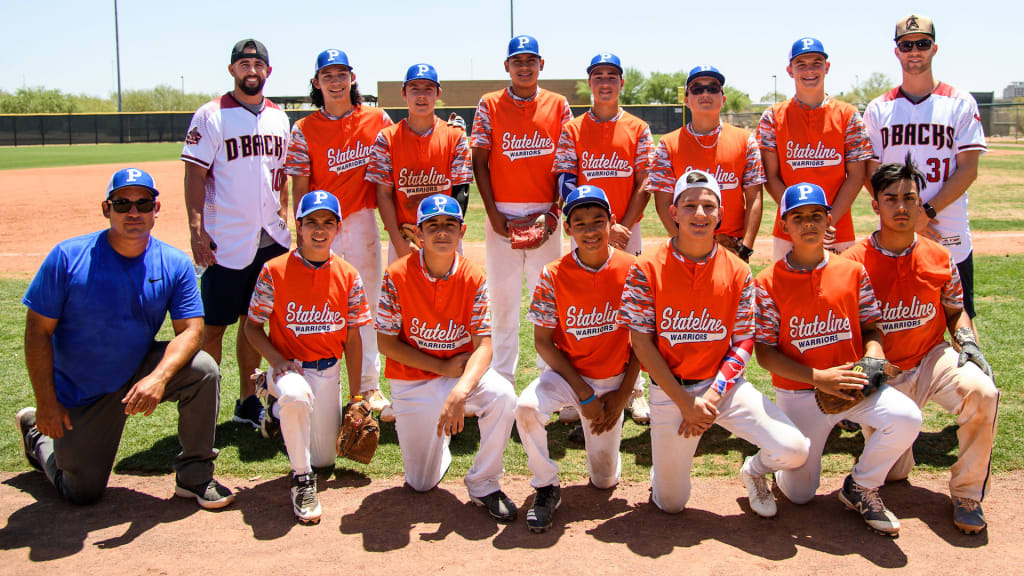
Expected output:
(108, 310)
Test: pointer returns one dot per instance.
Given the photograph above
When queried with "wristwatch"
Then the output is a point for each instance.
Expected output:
(744, 252)
(929, 210)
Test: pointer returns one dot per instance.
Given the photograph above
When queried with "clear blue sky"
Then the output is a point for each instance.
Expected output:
(70, 45)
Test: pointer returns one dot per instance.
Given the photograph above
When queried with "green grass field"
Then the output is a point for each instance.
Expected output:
(149, 444)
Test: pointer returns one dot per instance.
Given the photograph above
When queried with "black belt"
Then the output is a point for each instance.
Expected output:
(321, 364)
(686, 383)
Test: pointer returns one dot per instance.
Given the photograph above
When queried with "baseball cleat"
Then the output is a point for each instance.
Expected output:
(250, 411)
(376, 400)
(868, 503)
(498, 505)
(568, 415)
(762, 501)
(209, 495)
(638, 408)
(387, 414)
(305, 502)
(269, 425)
(26, 421)
(545, 502)
(968, 515)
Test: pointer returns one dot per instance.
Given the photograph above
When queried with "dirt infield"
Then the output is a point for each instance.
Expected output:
(68, 199)
(138, 528)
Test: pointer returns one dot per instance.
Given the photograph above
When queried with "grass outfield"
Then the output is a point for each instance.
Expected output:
(85, 154)
(149, 444)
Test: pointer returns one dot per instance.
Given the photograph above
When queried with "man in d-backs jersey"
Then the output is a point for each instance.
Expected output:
(514, 135)
(330, 150)
(610, 148)
(719, 148)
(816, 315)
(690, 311)
(918, 287)
(237, 204)
(941, 128)
(814, 139)
(434, 328)
(590, 364)
(420, 156)
(313, 303)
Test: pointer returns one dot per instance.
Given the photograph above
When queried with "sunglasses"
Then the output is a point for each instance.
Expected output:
(705, 88)
(908, 45)
(122, 206)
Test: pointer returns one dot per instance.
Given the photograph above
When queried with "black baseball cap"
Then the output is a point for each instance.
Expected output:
(238, 52)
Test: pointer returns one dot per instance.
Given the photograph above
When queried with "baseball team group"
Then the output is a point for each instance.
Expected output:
(853, 331)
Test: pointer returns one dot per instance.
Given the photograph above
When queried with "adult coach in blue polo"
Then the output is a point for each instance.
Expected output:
(115, 287)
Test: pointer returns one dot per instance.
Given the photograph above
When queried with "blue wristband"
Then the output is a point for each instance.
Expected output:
(588, 400)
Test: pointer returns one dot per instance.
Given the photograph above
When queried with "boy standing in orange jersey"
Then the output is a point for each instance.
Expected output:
(814, 139)
(817, 315)
(513, 141)
(420, 156)
(590, 364)
(689, 307)
(330, 150)
(719, 148)
(918, 286)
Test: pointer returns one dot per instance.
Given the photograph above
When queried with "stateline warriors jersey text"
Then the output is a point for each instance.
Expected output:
(583, 324)
(677, 329)
(301, 320)
(603, 166)
(418, 183)
(342, 160)
(816, 333)
(806, 156)
(727, 180)
(437, 337)
(516, 147)
(897, 317)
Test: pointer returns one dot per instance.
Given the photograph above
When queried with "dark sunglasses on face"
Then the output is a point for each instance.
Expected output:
(908, 45)
(122, 206)
(702, 88)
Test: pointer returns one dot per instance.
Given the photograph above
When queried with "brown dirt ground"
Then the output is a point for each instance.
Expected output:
(139, 529)
(30, 225)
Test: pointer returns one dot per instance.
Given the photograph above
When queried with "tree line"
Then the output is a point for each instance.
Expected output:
(40, 100)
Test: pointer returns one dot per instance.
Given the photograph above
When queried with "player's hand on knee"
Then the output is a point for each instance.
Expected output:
(144, 396)
(453, 414)
(698, 418)
(454, 367)
(839, 380)
(284, 366)
(52, 420)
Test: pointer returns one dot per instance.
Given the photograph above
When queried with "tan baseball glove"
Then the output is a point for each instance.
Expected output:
(359, 434)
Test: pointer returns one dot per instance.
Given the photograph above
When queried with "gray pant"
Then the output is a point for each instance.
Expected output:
(79, 464)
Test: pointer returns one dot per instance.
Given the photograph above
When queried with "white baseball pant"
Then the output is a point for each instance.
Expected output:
(506, 269)
(545, 395)
(359, 244)
(310, 414)
(973, 397)
(743, 411)
(894, 416)
(782, 247)
(417, 405)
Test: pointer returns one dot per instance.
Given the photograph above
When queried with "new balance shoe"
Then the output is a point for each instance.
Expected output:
(305, 502)
(248, 411)
(868, 503)
(968, 515)
(762, 501)
(209, 495)
(269, 425)
(26, 420)
(638, 408)
(542, 513)
(498, 505)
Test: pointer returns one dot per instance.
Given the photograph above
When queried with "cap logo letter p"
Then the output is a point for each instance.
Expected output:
(808, 42)
(523, 41)
(133, 174)
(805, 191)
(321, 197)
(331, 55)
(422, 70)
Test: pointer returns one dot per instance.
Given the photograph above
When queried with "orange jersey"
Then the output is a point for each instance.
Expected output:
(819, 314)
(522, 145)
(811, 148)
(438, 316)
(606, 155)
(582, 305)
(696, 306)
(334, 154)
(909, 290)
(418, 166)
(313, 307)
(726, 161)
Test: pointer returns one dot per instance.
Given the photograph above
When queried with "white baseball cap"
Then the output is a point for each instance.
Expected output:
(700, 180)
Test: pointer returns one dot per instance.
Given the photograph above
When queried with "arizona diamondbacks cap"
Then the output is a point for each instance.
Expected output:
(915, 24)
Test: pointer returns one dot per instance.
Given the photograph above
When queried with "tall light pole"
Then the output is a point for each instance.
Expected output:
(775, 89)
(117, 49)
(511, 19)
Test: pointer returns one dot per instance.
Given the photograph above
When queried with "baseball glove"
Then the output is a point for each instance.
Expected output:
(878, 372)
(531, 231)
(409, 233)
(359, 433)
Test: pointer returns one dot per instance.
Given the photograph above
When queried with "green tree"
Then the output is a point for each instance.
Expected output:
(736, 100)
(163, 97)
(583, 90)
(663, 88)
(866, 91)
(634, 86)
(36, 100)
(772, 97)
